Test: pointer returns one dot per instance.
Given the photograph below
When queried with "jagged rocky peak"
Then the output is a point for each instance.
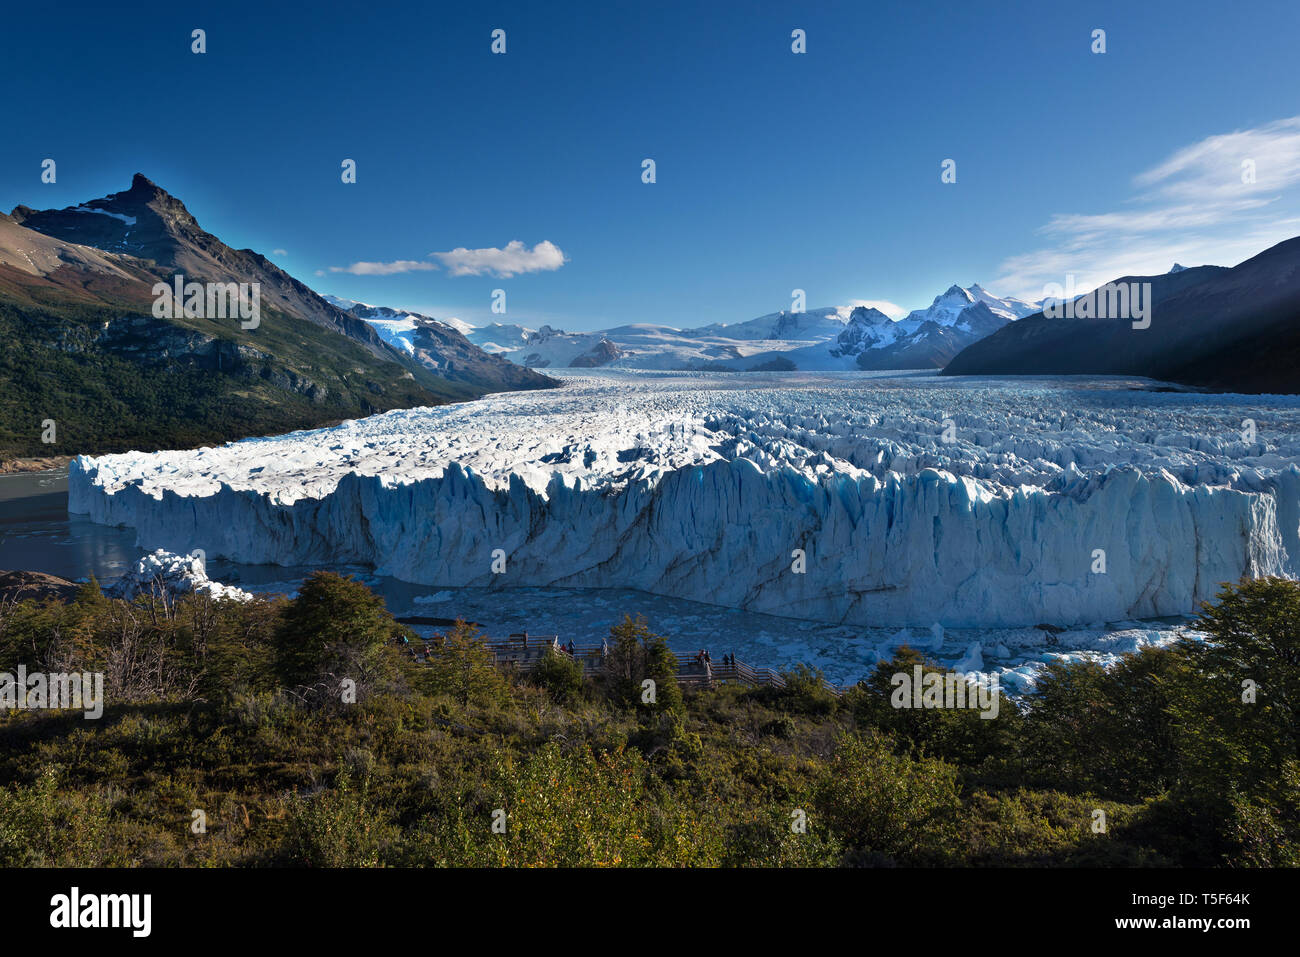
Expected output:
(545, 332)
(144, 192)
(141, 221)
(602, 353)
(141, 182)
(869, 315)
(955, 293)
(867, 327)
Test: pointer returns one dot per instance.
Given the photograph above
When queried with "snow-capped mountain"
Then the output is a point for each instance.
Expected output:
(924, 339)
(932, 344)
(866, 329)
(784, 326)
(440, 346)
(498, 337)
(1010, 307)
(823, 339)
(957, 316)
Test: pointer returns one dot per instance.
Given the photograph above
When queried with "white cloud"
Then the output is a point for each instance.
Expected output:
(1192, 208)
(385, 269)
(516, 258)
(1211, 169)
(279, 252)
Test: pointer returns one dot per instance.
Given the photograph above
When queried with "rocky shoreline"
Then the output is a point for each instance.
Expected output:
(42, 464)
(20, 586)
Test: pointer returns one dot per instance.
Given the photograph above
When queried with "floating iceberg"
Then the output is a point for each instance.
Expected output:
(162, 572)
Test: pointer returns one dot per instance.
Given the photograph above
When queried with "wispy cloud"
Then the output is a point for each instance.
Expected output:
(1211, 169)
(1220, 200)
(279, 252)
(516, 258)
(385, 269)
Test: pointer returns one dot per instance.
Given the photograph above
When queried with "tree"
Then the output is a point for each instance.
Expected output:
(959, 735)
(806, 692)
(635, 655)
(461, 666)
(1108, 730)
(1237, 716)
(335, 629)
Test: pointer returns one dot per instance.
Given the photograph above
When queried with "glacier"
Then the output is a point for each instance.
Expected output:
(875, 500)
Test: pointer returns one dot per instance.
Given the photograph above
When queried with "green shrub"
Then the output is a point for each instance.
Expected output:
(560, 675)
(338, 826)
(43, 825)
(887, 808)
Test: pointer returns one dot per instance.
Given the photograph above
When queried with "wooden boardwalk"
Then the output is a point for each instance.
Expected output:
(524, 651)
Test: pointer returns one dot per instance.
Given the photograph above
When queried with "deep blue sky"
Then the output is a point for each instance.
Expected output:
(775, 170)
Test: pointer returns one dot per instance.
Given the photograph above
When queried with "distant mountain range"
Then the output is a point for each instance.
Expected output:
(926, 338)
(84, 349)
(823, 339)
(1236, 329)
(1225, 328)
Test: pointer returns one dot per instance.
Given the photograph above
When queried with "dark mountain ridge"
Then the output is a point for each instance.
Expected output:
(147, 223)
(84, 349)
(1223, 328)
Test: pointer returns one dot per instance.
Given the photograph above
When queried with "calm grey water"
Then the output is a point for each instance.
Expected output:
(37, 534)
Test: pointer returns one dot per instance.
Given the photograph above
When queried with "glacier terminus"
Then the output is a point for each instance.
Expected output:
(872, 499)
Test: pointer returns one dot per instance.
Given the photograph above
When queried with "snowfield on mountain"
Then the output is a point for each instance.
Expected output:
(829, 339)
(830, 497)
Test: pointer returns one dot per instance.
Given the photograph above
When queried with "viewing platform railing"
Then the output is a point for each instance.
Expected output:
(524, 651)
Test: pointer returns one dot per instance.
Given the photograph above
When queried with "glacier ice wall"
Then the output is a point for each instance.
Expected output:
(707, 495)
